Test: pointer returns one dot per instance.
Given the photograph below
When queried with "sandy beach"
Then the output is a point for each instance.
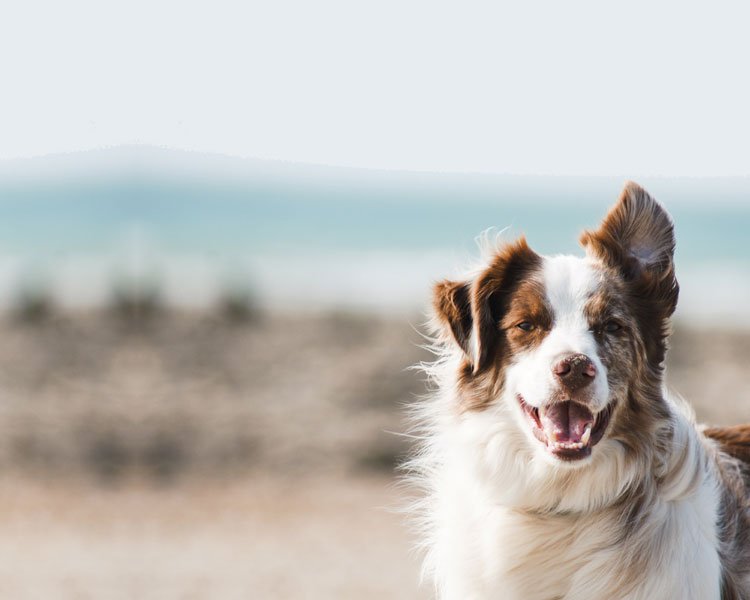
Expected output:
(178, 455)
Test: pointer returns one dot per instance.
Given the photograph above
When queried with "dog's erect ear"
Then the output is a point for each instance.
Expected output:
(636, 237)
(452, 304)
(472, 311)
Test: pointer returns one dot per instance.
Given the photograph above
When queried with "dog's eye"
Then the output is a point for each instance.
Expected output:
(612, 326)
(525, 326)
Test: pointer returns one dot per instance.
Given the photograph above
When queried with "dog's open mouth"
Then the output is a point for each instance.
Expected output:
(568, 429)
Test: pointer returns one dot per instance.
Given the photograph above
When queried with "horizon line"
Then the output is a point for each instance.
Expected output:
(281, 163)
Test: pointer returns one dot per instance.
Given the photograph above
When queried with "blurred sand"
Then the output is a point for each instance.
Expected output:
(260, 538)
(184, 456)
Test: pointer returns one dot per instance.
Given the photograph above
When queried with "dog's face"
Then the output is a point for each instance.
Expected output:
(568, 338)
(570, 349)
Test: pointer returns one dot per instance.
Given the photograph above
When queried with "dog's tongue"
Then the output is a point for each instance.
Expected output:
(566, 421)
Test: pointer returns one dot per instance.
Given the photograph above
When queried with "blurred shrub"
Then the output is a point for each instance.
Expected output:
(136, 301)
(238, 304)
(108, 456)
(165, 456)
(34, 302)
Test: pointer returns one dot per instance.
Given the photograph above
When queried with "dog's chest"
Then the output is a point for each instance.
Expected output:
(537, 557)
(510, 554)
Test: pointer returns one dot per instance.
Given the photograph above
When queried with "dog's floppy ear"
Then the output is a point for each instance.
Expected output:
(452, 305)
(472, 311)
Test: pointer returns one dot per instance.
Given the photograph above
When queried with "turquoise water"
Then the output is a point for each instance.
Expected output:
(305, 241)
(218, 218)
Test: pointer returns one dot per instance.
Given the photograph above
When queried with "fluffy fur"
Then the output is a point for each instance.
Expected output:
(554, 464)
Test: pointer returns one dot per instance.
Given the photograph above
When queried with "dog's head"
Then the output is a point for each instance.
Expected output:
(570, 349)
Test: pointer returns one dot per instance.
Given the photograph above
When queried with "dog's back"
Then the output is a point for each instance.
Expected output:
(734, 469)
(735, 441)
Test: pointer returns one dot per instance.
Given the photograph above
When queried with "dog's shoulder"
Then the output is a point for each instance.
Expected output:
(734, 441)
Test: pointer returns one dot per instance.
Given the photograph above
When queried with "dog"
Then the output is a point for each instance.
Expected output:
(554, 464)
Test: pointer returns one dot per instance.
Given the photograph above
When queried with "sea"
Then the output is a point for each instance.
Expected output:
(308, 238)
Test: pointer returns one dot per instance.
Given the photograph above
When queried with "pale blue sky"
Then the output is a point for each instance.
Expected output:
(634, 89)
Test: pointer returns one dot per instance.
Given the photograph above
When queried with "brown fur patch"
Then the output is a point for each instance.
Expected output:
(479, 308)
(734, 516)
(634, 374)
(636, 239)
(734, 440)
(618, 350)
(452, 305)
(527, 305)
(492, 294)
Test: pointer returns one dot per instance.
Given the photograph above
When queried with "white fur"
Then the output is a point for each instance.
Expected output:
(501, 519)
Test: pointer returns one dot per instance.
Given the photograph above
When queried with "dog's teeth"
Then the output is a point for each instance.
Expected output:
(568, 445)
(586, 435)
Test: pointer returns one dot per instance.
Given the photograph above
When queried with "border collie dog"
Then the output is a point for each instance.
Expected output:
(555, 465)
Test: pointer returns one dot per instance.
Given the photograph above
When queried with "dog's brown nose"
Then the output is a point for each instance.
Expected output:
(575, 371)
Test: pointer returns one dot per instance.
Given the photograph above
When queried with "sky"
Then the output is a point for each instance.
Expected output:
(563, 88)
